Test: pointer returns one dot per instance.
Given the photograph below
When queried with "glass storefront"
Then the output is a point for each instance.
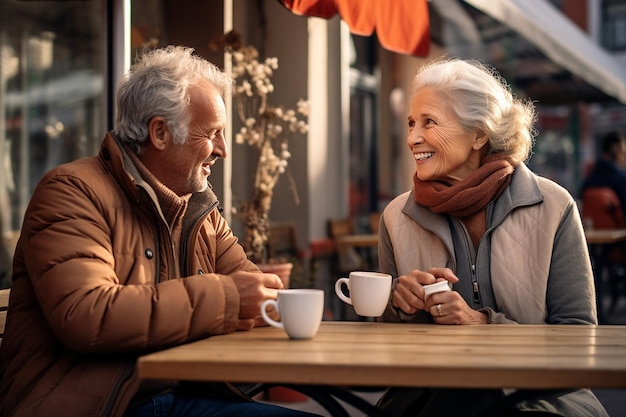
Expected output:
(52, 94)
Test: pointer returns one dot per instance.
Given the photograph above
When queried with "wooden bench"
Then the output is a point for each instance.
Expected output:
(4, 304)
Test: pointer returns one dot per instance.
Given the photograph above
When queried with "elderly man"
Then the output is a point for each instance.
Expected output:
(126, 253)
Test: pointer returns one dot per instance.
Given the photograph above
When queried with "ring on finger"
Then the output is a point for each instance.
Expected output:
(439, 310)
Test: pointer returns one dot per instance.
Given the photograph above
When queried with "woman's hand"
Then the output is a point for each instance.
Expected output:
(448, 307)
(409, 293)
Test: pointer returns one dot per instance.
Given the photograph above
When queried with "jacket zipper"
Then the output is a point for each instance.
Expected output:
(113, 399)
(475, 284)
(472, 256)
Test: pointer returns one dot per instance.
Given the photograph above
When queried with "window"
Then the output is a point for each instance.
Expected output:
(52, 94)
(614, 25)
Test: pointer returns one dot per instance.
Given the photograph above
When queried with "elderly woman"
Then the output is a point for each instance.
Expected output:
(509, 243)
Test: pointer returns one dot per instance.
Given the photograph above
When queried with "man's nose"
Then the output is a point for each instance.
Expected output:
(220, 146)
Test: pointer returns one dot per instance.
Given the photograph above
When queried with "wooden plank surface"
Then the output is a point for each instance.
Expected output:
(375, 354)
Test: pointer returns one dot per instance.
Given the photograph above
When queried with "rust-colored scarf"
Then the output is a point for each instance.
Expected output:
(469, 198)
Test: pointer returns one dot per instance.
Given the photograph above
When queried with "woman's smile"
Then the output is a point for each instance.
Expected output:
(421, 156)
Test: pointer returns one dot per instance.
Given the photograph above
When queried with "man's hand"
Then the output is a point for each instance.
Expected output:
(254, 288)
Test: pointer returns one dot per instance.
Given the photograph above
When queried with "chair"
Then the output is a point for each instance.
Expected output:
(601, 209)
(341, 227)
(352, 258)
(283, 241)
(602, 206)
(322, 263)
(347, 259)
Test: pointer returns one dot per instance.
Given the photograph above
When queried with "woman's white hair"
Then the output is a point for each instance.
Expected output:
(482, 99)
(157, 85)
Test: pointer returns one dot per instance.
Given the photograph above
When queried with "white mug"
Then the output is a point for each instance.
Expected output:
(369, 292)
(436, 287)
(300, 310)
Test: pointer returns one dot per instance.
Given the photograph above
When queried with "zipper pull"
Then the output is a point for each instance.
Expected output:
(475, 285)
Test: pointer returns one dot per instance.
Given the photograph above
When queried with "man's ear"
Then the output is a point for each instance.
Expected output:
(158, 132)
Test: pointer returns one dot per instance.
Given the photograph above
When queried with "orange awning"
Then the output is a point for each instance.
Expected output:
(401, 25)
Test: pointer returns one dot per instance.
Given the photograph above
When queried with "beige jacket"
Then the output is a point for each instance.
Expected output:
(538, 261)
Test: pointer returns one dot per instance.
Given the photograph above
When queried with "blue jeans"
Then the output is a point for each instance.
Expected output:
(176, 405)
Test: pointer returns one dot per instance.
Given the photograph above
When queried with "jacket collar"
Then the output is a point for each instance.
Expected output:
(114, 155)
(522, 192)
(119, 164)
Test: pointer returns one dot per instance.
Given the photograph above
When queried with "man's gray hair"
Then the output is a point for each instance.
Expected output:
(157, 85)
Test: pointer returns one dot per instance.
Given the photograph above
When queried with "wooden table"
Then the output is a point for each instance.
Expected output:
(392, 354)
(358, 240)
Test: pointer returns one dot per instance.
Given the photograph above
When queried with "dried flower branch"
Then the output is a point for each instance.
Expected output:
(266, 128)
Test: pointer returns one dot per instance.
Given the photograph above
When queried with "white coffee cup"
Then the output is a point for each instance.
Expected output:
(369, 292)
(436, 287)
(300, 310)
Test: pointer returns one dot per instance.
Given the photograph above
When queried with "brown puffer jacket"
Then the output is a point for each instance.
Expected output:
(95, 285)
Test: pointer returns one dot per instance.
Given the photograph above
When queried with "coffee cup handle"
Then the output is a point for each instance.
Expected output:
(267, 318)
(339, 290)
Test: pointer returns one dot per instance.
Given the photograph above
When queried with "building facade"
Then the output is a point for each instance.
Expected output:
(60, 61)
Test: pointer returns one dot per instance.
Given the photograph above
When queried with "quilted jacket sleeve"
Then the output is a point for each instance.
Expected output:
(91, 258)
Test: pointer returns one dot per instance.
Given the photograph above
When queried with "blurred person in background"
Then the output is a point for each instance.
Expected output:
(609, 169)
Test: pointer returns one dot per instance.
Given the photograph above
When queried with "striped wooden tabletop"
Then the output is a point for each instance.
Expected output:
(387, 354)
